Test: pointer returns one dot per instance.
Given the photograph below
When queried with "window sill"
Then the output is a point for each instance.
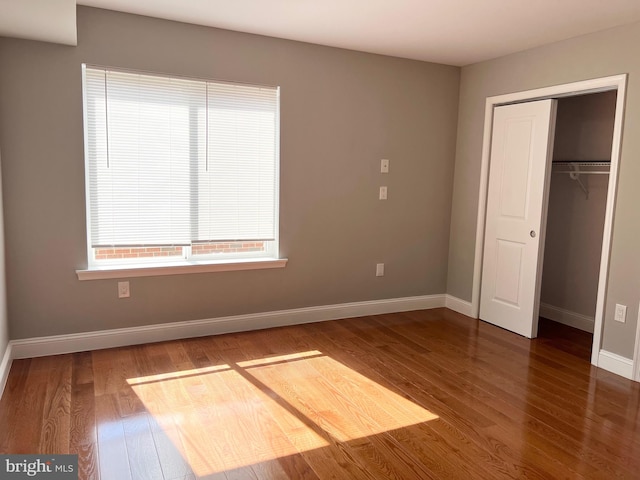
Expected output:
(181, 268)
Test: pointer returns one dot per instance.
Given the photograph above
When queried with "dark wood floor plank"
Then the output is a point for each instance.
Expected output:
(27, 423)
(111, 369)
(14, 389)
(83, 440)
(57, 407)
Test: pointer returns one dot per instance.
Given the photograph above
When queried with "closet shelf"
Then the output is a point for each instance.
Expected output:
(603, 163)
(576, 169)
(579, 168)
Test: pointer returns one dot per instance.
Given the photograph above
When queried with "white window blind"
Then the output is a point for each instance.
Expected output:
(174, 161)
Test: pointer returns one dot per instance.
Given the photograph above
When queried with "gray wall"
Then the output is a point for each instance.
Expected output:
(574, 243)
(341, 112)
(601, 54)
(584, 127)
(575, 222)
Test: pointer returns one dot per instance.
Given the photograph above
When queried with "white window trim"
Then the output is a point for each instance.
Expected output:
(266, 260)
(177, 268)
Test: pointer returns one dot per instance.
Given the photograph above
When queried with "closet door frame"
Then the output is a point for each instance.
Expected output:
(616, 82)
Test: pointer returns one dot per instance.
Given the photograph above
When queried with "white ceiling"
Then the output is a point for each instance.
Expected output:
(455, 32)
(45, 20)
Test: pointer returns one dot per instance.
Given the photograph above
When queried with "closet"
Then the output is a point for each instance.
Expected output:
(576, 208)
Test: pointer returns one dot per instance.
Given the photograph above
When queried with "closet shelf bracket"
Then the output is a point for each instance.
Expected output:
(574, 171)
(575, 175)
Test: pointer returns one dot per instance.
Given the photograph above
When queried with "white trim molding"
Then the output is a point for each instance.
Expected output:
(5, 366)
(78, 342)
(614, 82)
(177, 268)
(458, 305)
(567, 317)
(616, 364)
(636, 353)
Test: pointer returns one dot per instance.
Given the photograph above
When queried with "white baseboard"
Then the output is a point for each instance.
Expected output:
(5, 366)
(566, 317)
(458, 305)
(78, 342)
(616, 364)
(636, 353)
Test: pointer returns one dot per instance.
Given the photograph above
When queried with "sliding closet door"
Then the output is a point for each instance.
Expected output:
(521, 148)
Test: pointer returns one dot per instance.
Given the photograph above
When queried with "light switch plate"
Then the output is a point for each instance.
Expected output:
(621, 313)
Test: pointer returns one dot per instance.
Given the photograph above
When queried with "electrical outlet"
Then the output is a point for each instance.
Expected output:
(383, 193)
(384, 166)
(123, 290)
(621, 313)
(380, 270)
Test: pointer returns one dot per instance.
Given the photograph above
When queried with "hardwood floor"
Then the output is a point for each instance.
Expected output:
(418, 395)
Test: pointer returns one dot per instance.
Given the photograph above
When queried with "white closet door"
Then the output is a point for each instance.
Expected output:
(521, 149)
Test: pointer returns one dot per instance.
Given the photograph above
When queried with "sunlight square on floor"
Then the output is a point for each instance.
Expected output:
(233, 415)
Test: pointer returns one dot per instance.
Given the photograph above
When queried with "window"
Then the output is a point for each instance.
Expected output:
(179, 170)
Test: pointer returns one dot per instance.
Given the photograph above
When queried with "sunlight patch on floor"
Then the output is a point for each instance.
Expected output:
(234, 415)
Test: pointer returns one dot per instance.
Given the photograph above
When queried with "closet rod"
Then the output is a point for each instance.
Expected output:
(601, 168)
(581, 172)
(574, 171)
(599, 163)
